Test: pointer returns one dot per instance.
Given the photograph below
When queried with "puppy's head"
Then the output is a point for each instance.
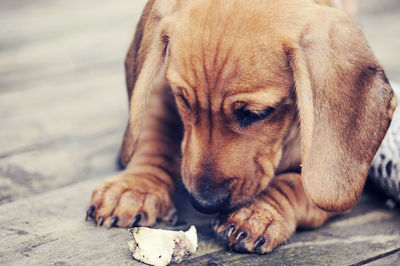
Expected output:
(233, 87)
(246, 76)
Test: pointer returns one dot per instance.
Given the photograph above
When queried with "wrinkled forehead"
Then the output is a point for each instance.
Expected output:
(226, 47)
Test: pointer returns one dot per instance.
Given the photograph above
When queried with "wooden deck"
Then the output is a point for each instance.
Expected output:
(63, 109)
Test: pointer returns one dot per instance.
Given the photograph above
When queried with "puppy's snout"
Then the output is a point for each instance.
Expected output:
(210, 200)
(212, 204)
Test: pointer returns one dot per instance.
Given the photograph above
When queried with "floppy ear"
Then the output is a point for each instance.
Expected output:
(345, 106)
(144, 69)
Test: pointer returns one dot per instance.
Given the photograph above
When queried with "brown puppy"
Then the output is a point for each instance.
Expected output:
(283, 106)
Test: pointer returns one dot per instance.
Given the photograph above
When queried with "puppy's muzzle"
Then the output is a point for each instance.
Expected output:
(211, 205)
(210, 201)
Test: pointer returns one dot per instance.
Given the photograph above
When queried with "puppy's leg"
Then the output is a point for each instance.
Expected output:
(144, 191)
(271, 219)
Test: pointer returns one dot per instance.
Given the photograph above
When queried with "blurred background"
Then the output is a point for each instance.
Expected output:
(63, 104)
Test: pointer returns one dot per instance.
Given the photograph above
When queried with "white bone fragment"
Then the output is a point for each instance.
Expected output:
(160, 247)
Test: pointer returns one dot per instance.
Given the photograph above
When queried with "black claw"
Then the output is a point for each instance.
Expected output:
(257, 245)
(114, 222)
(100, 221)
(89, 212)
(135, 221)
(230, 230)
(225, 235)
(242, 235)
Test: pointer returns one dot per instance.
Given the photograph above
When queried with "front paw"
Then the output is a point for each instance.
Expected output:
(128, 200)
(257, 228)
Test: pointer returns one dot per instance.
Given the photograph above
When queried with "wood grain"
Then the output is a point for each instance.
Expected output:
(50, 228)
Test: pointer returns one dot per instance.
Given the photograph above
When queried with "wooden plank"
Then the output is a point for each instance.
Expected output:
(72, 67)
(65, 107)
(62, 135)
(58, 36)
(63, 104)
(58, 164)
(389, 259)
(50, 228)
(63, 94)
(89, 81)
(347, 240)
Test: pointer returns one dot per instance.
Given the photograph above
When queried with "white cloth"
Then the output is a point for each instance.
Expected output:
(385, 167)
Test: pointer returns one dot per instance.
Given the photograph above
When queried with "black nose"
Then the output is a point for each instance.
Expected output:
(216, 202)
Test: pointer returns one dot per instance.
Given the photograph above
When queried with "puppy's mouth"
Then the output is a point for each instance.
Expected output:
(210, 206)
(223, 206)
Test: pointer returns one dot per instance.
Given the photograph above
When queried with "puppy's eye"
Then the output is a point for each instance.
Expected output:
(246, 117)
